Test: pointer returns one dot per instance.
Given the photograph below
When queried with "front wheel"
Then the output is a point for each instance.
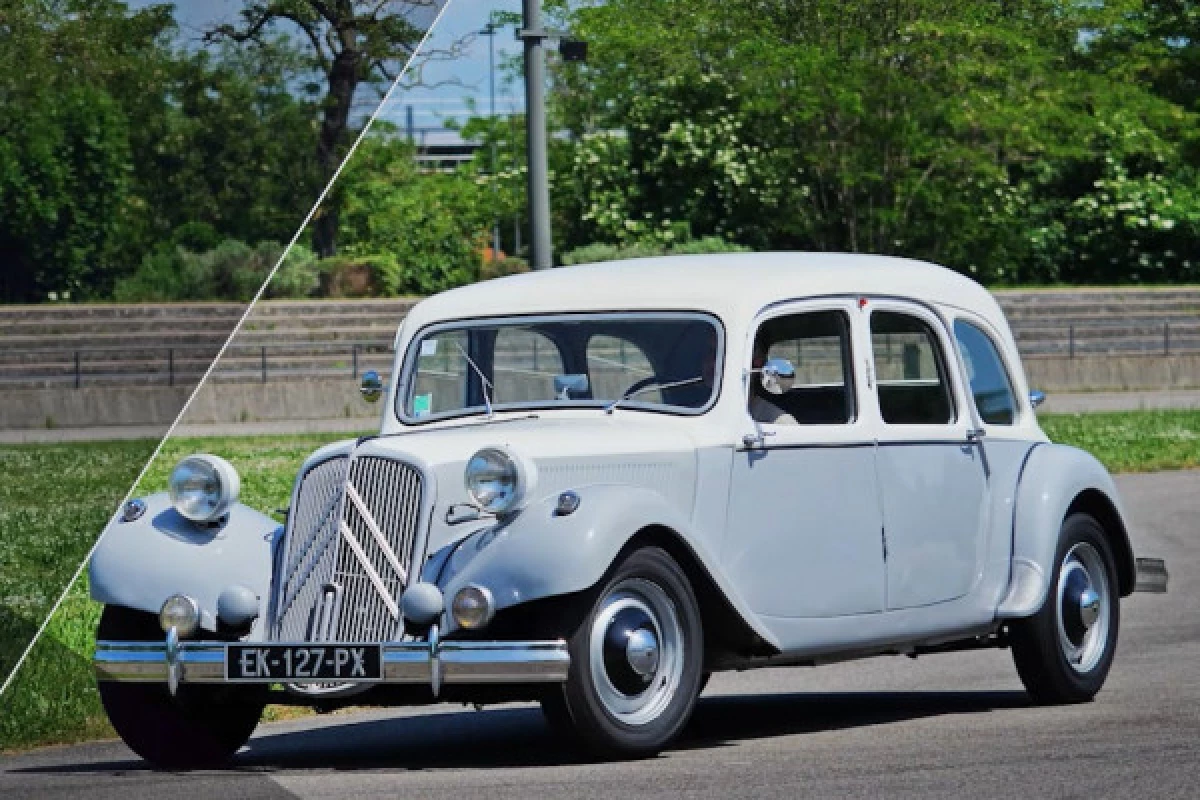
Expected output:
(202, 726)
(1064, 651)
(636, 660)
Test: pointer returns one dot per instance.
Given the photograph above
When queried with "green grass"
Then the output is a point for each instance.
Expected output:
(54, 501)
(1131, 441)
(55, 498)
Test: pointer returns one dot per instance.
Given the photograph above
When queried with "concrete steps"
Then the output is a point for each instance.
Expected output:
(158, 344)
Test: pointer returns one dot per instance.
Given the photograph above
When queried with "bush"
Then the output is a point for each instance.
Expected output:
(593, 253)
(360, 276)
(499, 267)
(232, 270)
(298, 277)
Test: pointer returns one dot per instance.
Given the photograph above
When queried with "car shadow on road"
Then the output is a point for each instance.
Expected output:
(519, 737)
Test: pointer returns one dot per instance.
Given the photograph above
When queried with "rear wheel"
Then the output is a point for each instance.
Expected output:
(1063, 652)
(201, 726)
(636, 660)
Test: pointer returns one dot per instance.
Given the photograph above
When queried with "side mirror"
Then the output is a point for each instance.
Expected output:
(566, 385)
(372, 386)
(777, 375)
(1037, 397)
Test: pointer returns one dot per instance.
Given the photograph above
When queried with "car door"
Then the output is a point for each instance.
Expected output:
(804, 522)
(930, 465)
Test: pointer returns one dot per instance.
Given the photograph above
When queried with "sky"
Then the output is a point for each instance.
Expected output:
(450, 85)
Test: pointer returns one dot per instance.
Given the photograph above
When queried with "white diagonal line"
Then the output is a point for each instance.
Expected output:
(373, 527)
(376, 581)
(237, 328)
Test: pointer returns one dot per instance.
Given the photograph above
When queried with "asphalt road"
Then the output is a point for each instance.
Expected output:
(941, 726)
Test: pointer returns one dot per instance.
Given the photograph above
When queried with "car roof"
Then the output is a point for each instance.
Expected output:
(734, 286)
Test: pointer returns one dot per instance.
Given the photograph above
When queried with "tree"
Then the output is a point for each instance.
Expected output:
(962, 132)
(64, 145)
(351, 43)
(434, 225)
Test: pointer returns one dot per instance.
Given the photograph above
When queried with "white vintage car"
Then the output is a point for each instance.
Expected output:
(594, 486)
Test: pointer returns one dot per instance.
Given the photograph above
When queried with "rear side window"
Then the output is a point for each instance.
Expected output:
(910, 371)
(990, 386)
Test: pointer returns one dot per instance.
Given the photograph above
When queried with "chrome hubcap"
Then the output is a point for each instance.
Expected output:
(1083, 607)
(641, 650)
(636, 651)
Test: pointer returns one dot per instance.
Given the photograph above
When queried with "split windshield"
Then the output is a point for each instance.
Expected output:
(562, 361)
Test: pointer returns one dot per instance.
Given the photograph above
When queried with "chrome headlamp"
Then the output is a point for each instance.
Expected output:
(498, 481)
(203, 487)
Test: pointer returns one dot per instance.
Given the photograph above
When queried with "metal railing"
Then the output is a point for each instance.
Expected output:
(1117, 339)
(171, 365)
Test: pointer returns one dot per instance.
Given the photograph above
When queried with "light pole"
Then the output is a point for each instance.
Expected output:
(489, 31)
(533, 37)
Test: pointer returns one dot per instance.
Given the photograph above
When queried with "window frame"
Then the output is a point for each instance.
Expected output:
(409, 366)
(801, 430)
(943, 347)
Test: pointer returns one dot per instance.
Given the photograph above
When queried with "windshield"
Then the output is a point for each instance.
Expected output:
(562, 361)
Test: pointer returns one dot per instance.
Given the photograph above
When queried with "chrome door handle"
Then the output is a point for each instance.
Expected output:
(976, 434)
(756, 440)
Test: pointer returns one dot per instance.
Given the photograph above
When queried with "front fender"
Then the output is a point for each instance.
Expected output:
(1055, 477)
(539, 554)
(140, 564)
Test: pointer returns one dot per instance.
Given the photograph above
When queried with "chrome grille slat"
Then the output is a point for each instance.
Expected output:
(375, 501)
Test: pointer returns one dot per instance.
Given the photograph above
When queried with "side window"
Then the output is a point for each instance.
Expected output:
(817, 343)
(990, 386)
(910, 372)
(524, 363)
(614, 364)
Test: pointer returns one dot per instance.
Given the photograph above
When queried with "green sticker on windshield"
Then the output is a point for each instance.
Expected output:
(422, 405)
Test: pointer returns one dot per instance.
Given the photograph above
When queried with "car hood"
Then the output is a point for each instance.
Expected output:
(568, 453)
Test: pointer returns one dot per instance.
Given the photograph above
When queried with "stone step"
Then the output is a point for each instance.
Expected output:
(99, 312)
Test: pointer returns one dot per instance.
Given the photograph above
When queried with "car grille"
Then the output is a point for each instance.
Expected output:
(354, 533)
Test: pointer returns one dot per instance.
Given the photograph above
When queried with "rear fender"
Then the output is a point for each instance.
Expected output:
(1058, 480)
(140, 564)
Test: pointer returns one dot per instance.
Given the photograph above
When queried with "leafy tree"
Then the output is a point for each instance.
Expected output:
(963, 132)
(351, 43)
(433, 224)
(64, 150)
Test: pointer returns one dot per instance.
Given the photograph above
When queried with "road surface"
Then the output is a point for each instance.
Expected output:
(953, 725)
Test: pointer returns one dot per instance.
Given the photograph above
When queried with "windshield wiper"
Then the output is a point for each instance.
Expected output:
(608, 409)
(484, 383)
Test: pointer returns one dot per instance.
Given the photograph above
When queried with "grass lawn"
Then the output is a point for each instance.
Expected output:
(55, 498)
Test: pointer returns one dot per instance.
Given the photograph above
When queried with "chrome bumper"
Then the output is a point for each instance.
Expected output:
(432, 663)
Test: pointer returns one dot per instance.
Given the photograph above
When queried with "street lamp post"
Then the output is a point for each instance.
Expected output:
(489, 31)
(533, 37)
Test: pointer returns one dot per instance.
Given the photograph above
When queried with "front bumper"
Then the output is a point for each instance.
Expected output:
(432, 663)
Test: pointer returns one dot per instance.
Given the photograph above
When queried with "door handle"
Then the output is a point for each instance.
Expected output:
(976, 434)
(753, 441)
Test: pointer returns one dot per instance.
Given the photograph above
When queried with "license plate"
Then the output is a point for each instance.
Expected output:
(303, 662)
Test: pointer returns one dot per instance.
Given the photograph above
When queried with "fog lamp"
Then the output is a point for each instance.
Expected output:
(473, 607)
(181, 613)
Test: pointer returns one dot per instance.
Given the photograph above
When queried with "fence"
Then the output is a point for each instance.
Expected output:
(184, 364)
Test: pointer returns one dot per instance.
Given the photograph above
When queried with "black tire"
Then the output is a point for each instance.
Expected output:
(202, 726)
(584, 705)
(1043, 646)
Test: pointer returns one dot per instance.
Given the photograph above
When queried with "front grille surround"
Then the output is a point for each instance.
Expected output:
(355, 539)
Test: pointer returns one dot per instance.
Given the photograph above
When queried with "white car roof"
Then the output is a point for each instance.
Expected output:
(733, 286)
